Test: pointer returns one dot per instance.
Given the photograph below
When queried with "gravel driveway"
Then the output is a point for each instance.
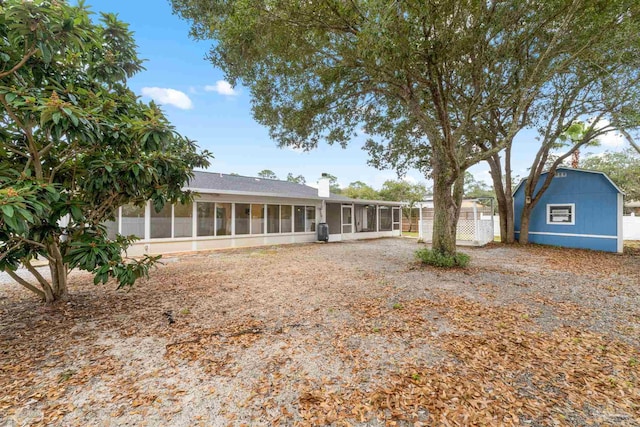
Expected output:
(353, 333)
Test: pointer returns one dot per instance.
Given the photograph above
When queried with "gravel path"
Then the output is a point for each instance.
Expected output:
(351, 333)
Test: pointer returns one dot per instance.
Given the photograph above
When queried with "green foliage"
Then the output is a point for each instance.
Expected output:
(475, 189)
(297, 179)
(76, 143)
(440, 259)
(360, 190)
(267, 174)
(403, 191)
(622, 167)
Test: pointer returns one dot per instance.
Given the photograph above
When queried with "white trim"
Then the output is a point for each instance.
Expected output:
(620, 247)
(147, 220)
(173, 221)
(393, 221)
(119, 220)
(233, 219)
(205, 238)
(573, 214)
(194, 225)
(594, 236)
(420, 236)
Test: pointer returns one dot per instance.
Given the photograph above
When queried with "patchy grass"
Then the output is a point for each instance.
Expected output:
(340, 334)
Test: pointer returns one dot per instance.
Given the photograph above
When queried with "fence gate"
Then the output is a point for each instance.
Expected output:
(475, 225)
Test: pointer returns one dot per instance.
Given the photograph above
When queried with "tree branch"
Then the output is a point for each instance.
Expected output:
(43, 282)
(16, 67)
(26, 284)
(629, 138)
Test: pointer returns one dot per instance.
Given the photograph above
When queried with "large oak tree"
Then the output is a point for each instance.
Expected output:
(419, 77)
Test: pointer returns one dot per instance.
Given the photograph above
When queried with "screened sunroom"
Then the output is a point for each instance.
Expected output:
(236, 211)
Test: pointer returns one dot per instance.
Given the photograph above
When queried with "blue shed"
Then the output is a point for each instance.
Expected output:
(580, 209)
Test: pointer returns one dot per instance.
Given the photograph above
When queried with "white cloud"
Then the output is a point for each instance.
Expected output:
(611, 139)
(299, 150)
(222, 87)
(168, 96)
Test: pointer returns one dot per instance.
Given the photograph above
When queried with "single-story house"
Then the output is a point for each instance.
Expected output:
(579, 209)
(233, 211)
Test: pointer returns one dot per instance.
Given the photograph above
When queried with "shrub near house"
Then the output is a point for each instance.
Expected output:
(76, 144)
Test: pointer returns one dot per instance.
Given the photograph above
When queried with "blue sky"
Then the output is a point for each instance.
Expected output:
(204, 107)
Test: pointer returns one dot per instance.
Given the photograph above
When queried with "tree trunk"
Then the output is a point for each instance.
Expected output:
(524, 225)
(58, 273)
(408, 214)
(49, 291)
(445, 213)
(504, 197)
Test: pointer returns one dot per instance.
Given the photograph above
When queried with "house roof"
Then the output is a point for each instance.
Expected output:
(220, 183)
(523, 180)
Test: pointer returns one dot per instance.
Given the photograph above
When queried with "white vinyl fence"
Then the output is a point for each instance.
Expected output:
(630, 227)
(475, 225)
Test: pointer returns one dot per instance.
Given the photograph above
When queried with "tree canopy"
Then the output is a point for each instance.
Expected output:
(267, 174)
(300, 179)
(421, 78)
(77, 144)
(474, 188)
(360, 190)
(403, 191)
(623, 167)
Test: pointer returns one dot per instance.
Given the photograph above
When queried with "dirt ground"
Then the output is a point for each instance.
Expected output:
(333, 334)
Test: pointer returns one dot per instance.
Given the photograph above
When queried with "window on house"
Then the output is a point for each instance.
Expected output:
(243, 215)
(112, 226)
(561, 214)
(161, 222)
(273, 218)
(285, 215)
(182, 220)
(133, 220)
(298, 219)
(311, 219)
(257, 219)
(223, 219)
(365, 218)
(385, 218)
(205, 218)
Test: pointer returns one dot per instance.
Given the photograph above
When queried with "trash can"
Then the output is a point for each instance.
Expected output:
(323, 232)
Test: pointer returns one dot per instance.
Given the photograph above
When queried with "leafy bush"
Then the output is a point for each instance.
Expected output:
(438, 259)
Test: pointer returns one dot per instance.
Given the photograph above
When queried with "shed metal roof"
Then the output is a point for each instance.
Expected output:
(213, 182)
